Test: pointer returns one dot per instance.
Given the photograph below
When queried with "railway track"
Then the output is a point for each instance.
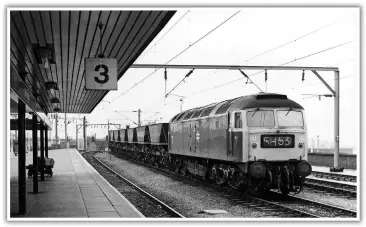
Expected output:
(291, 206)
(337, 188)
(272, 209)
(334, 176)
(294, 206)
(321, 209)
(170, 211)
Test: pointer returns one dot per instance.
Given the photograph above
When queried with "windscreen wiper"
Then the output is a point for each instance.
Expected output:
(289, 111)
(255, 111)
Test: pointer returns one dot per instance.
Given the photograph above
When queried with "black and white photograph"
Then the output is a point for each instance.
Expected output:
(183, 113)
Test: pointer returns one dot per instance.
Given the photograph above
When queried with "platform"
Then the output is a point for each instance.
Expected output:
(333, 181)
(76, 190)
(351, 172)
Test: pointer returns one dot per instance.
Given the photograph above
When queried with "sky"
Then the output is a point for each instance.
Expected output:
(317, 37)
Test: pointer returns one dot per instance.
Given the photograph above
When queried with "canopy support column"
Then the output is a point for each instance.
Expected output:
(46, 142)
(22, 193)
(42, 152)
(35, 153)
(84, 127)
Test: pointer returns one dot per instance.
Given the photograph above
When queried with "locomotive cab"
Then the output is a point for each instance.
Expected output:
(271, 142)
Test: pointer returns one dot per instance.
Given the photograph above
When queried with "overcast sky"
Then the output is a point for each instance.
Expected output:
(254, 36)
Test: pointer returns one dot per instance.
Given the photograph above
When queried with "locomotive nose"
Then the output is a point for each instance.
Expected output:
(303, 169)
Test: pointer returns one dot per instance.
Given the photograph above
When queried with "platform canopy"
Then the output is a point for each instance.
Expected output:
(48, 49)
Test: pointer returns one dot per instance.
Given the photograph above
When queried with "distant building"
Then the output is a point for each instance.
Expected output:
(331, 150)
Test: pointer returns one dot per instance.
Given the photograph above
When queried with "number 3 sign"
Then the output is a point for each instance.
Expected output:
(100, 74)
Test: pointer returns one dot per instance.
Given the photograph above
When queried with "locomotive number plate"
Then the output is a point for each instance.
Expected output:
(277, 141)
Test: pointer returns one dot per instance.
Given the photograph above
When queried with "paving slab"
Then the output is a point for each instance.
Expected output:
(113, 214)
(76, 190)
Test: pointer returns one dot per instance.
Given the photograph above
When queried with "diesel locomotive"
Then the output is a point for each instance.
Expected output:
(251, 143)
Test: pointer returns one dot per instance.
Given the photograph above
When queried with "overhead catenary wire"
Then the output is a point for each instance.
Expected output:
(320, 83)
(177, 55)
(275, 48)
(289, 42)
(284, 44)
(175, 101)
(296, 59)
(126, 117)
(246, 76)
(272, 49)
(165, 34)
(150, 116)
(266, 52)
(186, 76)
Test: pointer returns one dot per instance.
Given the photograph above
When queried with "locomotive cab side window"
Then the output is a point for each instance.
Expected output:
(238, 121)
(260, 118)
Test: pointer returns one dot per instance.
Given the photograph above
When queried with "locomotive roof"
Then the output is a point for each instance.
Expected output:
(260, 100)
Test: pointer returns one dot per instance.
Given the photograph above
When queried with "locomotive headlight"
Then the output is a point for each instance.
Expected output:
(303, 169)
(254, 145)
(257, 170)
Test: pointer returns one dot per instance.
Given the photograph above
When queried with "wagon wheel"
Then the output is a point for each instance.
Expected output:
(284, 190)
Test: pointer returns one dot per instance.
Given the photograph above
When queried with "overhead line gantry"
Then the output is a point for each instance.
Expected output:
(315, 70)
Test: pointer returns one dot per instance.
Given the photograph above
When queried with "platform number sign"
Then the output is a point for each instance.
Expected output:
(100, 74)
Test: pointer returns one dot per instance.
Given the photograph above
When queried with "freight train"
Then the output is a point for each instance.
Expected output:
(251, 143)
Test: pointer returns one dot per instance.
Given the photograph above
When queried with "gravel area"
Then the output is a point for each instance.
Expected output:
(328, 198)
(190, 198)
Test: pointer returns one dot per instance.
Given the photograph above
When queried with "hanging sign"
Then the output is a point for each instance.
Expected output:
(100, 74)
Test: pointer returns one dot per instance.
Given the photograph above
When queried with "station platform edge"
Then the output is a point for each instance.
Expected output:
(76, 190)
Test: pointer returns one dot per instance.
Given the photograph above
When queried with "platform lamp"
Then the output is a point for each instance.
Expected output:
(45, 54)
(55, 103)
(52, 87)
(57, 110)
